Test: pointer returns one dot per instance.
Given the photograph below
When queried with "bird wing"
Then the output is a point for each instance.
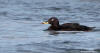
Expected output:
(76, 26)
(70, 25)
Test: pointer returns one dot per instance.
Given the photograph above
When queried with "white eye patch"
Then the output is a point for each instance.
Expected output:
(52, 19)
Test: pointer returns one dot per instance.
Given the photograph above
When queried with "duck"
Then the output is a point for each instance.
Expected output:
(55, 26)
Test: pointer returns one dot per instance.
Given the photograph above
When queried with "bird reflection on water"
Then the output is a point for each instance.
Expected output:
(62, 32)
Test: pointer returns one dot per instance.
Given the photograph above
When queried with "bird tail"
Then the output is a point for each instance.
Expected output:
(91, 28)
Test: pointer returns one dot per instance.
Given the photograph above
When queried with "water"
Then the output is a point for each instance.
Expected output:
(21, 30)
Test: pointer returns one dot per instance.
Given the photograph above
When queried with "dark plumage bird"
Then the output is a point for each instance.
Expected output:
(66, 26)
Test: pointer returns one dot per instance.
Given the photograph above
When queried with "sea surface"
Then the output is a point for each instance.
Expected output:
(21, 30)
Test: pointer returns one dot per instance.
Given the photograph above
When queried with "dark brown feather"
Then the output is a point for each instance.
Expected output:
(66, 26)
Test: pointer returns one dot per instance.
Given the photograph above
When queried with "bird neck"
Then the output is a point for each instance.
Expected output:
(55, 27)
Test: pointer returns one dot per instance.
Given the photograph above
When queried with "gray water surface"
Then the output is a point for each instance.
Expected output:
(21, 30)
